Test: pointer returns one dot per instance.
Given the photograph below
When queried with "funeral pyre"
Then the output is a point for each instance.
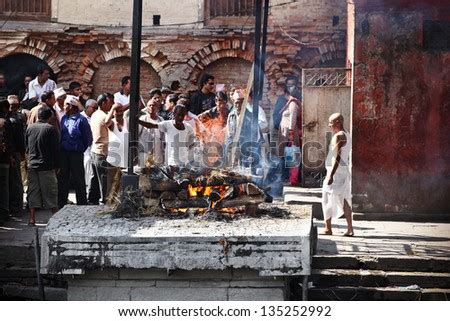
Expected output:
(180, 191)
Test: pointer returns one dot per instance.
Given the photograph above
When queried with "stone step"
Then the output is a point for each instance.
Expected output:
(378, 278)
(346, 293)
(302, 191)
(11, 255)
(18, 291)
(385, 263)
(17, 272)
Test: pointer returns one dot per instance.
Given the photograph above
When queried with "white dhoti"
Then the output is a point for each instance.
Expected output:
(333, 195)
(87, 168)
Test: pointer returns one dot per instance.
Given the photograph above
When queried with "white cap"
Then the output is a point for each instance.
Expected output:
(72, 100)
(238, 94)
(59, 92)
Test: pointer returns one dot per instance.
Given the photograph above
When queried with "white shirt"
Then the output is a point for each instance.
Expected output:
(262, 119)
(151, 140)
(178, 142)
(122, 99)
(36, 90)
(59, 112)
(118, 146)
(87, 152)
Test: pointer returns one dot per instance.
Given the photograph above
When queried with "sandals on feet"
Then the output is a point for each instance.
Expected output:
(348, 234)
(325, 232)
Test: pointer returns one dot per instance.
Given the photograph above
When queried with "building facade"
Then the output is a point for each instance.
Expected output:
(88, 42)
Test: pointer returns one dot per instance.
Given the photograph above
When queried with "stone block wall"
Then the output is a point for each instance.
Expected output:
(178, 285)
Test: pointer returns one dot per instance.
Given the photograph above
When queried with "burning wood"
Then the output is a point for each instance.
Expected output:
(183, 190)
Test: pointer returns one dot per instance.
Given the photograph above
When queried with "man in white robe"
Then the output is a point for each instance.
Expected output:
(336, 193)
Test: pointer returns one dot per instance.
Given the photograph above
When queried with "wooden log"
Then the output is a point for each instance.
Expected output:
(200, 202)
(197, 202)
(168, 196)
(183, 195)
(164, 185)
(240, 201)
(252, 189)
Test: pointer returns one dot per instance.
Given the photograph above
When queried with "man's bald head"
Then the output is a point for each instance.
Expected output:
(336, 122)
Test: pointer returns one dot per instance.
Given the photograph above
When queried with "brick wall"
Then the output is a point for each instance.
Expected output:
(230, 71)
(108, 76)
(301, 34)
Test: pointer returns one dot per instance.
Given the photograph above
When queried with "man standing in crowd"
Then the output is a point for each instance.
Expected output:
(101, 121)
(336, 190)
(166, 111)
(123, 96)
(42, 83)
(48, 100)
(91, 107)
(60, 96)
(165, 91)
(4, 90)
(23, 92)
(76, 137)
(203, 99)
(151, 139)
(42, 146)
(289, 85)
(179, 137)
(5, 159)
(75, 90)
(17, 121)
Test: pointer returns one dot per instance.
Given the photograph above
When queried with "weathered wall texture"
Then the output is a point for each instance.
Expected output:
(301, 34)
(119, 13)
(401, 110)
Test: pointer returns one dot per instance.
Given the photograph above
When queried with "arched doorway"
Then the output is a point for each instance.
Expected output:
(108, 76)
(229, 71)
(17, 66)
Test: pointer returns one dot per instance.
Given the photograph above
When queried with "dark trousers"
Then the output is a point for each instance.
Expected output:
(15, 187)
(98, 189)
(4, 192)
(72, 170)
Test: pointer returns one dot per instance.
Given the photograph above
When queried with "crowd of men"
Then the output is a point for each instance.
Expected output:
(52, 140)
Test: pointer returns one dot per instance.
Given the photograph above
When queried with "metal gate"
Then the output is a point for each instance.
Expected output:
(325, 91)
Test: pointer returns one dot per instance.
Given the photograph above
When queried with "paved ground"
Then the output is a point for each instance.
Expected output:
(387, 238)
(371, 238)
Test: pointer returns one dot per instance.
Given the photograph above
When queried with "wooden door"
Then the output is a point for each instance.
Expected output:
(325, 91)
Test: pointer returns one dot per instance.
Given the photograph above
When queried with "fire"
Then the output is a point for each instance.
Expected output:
(202, 191)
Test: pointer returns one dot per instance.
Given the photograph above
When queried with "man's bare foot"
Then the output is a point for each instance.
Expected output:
(326, 232)
(348, 233)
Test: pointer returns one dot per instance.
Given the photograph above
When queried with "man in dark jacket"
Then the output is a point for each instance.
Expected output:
(42, 148)
(6, 159)
(76, 137)
(17, 120)
(204, 98)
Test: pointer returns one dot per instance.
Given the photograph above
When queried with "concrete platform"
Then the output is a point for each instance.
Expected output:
(154, 258)
(80, 238)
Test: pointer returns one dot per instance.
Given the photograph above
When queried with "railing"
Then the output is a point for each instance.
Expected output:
(25, 9)
(326, 77)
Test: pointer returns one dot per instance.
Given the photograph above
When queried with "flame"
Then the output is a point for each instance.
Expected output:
(202, 191)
